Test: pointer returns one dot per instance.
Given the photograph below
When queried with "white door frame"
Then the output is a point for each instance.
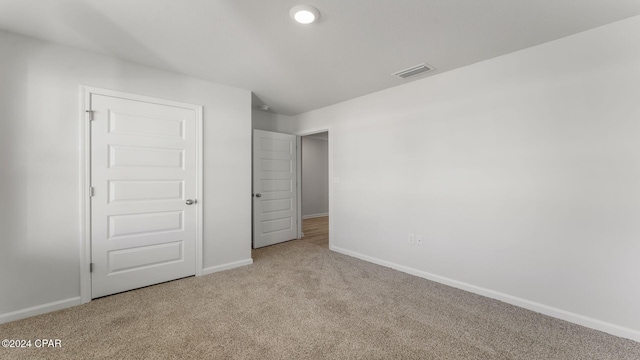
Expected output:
(85, 178)
(299, 176)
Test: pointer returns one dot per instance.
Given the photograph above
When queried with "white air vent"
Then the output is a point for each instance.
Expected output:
(414, 70)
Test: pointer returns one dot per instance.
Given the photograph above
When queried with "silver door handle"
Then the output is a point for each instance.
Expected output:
(258, 195)
(191, 202)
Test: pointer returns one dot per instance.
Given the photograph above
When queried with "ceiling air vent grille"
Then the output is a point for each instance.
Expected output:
(414, 70)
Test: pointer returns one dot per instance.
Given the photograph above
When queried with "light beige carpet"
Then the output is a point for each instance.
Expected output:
(302, 301)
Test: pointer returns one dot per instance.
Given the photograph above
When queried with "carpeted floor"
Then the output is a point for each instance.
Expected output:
(302, 301)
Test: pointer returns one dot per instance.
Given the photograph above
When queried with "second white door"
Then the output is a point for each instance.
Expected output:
(274, 188)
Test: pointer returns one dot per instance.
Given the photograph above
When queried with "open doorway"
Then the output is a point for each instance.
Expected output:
(314, 192)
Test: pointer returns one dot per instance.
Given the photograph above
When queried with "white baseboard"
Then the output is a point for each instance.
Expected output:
(39, 310)
(311, 216)
(228, 266)
(603, 326)
(74, 301)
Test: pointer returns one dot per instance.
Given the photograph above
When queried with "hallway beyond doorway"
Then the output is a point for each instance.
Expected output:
(316, 230)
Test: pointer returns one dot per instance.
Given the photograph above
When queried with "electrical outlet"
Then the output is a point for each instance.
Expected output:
(412, 239)
(419, 240)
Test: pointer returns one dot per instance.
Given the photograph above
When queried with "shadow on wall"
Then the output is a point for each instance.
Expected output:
(14, 156)
(105, 35)
(32, 170)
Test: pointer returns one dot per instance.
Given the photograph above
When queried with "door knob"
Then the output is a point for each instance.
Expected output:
(191, 202)
(258, 195)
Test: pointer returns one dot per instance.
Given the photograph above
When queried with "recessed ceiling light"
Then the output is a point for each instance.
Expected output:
(304, 14)
(263, 107)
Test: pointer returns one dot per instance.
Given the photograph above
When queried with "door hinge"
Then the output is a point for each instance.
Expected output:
(90, 267)
(92, 191)
(90, 112)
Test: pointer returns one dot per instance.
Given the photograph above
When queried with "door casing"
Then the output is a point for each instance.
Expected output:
(85, 178)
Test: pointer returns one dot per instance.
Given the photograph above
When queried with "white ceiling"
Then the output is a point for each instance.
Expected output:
(351, 51)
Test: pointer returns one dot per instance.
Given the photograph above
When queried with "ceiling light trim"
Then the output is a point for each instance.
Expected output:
(304, 14)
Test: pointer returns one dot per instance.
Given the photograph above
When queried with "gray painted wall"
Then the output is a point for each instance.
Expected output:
(267, 121)
(315, 176)
(521, 174)
(40, 156)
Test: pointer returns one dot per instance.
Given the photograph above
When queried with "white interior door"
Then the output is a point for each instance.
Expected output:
(274, 188)
(143, 175)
